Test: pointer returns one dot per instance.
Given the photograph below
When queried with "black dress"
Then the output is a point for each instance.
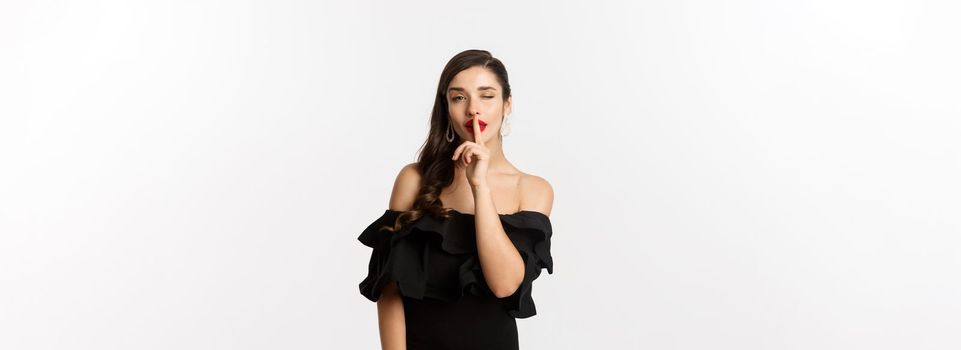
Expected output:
(447, 304)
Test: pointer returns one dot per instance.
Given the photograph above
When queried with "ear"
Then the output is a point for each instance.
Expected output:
(508, 105)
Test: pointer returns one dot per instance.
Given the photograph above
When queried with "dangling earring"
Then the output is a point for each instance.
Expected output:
(450, 133)
(506, 126)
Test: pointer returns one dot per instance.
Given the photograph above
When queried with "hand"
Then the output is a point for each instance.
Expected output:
(475, 156)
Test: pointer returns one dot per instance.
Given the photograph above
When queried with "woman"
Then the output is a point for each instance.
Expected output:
(466, 232)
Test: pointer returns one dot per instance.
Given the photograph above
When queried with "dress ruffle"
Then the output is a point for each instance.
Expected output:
(405, 257)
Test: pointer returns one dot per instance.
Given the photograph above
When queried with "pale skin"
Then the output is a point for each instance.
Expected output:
(485, 184)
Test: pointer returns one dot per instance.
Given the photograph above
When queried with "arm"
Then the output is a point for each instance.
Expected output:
(390, 319)
(500, 261)
(390, 306)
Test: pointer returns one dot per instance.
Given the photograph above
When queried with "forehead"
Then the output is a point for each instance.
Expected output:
(473, 78)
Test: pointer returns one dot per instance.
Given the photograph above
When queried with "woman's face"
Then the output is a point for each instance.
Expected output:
(475, 92)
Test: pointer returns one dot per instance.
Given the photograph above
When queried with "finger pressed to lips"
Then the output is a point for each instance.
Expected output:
(470, 124)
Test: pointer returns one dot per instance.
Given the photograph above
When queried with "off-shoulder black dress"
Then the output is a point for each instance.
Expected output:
(447, 304)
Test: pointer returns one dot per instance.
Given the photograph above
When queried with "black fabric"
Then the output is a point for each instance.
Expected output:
(447, 302)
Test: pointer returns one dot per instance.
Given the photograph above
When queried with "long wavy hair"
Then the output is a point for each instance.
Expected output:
(434, 163)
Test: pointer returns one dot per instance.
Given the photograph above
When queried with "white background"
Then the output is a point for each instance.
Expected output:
(727, 175)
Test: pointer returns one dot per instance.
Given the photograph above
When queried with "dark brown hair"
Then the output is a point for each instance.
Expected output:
(434, 163)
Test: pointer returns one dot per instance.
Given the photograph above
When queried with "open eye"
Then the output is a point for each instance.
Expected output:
(455, 98)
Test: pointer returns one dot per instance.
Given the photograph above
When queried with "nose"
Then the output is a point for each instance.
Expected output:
(473, 114)
(473, 109)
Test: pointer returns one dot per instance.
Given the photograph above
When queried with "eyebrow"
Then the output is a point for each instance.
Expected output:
(455, 88)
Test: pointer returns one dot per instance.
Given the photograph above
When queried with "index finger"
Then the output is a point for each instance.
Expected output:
(477, 132)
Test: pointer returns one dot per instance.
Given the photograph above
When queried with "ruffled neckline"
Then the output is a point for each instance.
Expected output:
(405, 256)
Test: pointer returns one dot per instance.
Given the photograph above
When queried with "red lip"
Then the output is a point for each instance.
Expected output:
(470, 125)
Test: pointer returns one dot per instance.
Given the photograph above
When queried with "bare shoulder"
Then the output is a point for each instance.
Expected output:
(536, 194)
(406, 187)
